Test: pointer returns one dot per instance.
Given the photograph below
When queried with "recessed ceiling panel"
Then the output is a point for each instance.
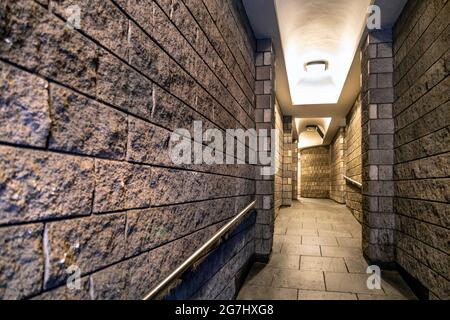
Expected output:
(315, 31)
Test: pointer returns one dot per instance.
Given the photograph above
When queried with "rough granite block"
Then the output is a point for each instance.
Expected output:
(21, 261)
(39, 185)
(87, 243)
(84, 126)
(24, 110)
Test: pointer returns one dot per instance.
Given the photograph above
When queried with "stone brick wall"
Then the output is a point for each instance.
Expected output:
(353, 167)
(287, 161)
(265, 120)
(315, 172)
(337, 167)
(85, 119)
(278, 194)
(377, 147)
(295, 170)
(422, 143)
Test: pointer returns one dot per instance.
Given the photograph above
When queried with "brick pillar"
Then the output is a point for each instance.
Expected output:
(377, 148)
(287, 161)
(265, 119)
(294, 170)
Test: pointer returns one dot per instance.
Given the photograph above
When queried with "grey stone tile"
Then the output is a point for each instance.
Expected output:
(309, 280)
(348, 282)
(324, 295)
(278, 260)
(342, 252)
(349, 242)
(341, 234)
(297, 248)
(290, 239)
(313, 225)
(250, 292)
(301, 232)
(322, 264)
(324, 241)
(356, 264)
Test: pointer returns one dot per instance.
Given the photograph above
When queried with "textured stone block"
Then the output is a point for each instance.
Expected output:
(38, 185)
(268, 87)
(385, 126)
(169, 185)
(384, 96)
(21, 261)
(149, 228)
(384, 50)
(148, 57)
(84, 126)
(381, 65)
(64, 293)
(148, 143)
(120, 185)
(142, 11)
(263, 73)
(99, 19)
(385, 172)
(123, 87)
(263, 102)
(87, 243)
(385, 111)
(182, 85)
(378, 188)
(380, 157)
(426, 189)
(259, 59)
(24, 111)
(35, 40)
(385, 80)
(259, 87)
(167, 35)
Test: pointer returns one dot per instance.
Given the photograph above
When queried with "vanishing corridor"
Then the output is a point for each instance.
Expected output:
(164, 149)
(317, 256)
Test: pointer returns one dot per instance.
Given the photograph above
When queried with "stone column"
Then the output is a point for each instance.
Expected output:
(377, 148)
(287, 161)
(265, 119)
(294, 170)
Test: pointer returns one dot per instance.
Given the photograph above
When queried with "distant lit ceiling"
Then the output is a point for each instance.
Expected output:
(313, 30)
(308, 138)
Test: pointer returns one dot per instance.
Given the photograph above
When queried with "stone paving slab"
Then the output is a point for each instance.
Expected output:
(316, 255)
(252, 292)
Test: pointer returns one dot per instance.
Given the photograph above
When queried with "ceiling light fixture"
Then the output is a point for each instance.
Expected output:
(316, 67)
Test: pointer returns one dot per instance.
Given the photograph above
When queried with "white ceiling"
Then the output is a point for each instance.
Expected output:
(314, 30)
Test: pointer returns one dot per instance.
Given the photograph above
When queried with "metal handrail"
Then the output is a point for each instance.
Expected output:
(354, 182)
(167, 282)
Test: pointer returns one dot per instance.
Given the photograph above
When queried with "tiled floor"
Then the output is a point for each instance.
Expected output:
(317, 256)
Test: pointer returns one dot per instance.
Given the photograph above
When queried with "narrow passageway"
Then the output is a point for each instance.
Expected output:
(317, 255)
